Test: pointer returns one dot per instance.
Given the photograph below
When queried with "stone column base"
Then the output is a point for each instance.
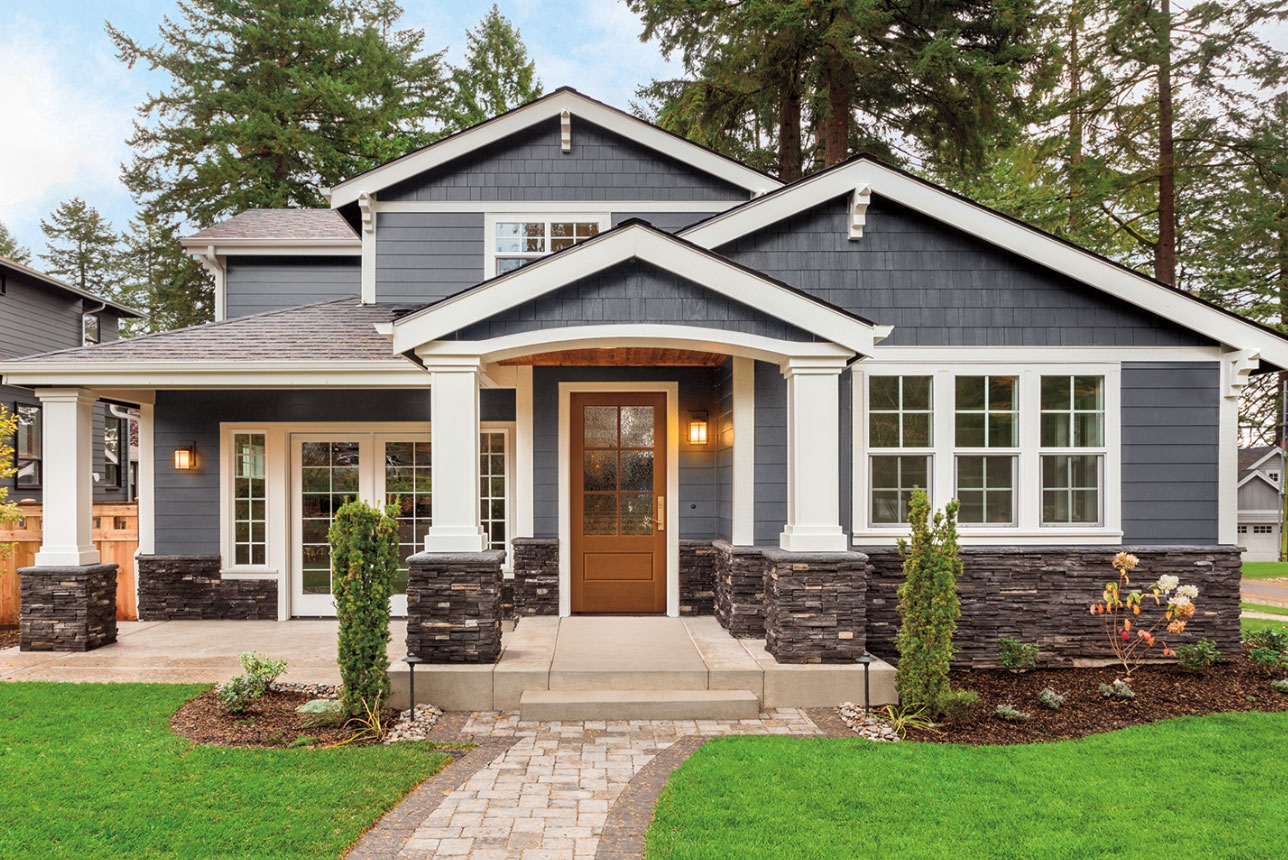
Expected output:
(740, 589)
(67, 608)
(536, 576)
(815, 606)
(454, 606)
(697, 577)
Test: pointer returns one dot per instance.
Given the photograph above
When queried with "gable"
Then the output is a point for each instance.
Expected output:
(1258, 494)
(633, 292)
(530, 165)
(939, 286)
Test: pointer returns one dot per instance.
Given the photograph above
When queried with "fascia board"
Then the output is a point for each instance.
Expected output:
(1271, 453)
(467, 141)
(276, 246)
(1258, 474)
(1001, 232)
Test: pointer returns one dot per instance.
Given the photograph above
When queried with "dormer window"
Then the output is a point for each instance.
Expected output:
(89, 329)
(516, 240)
(1273, 476)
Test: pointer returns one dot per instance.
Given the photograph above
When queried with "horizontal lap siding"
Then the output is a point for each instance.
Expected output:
(939, 287)
(1170, 436)
(530, 166)
(424, 256)
(723, 432)
(35, 318)
(259, 284)
(770, 510)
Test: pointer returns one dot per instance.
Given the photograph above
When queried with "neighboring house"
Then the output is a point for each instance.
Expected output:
(1261, 502)
(39, 313)
(651, 375)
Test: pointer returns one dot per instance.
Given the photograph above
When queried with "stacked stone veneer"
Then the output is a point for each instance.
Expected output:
(190, 588)
(697, 577)
(67, 608)
(740, 589)
(1042, 595)
(815, 606)
(454, 606)
(536, 576)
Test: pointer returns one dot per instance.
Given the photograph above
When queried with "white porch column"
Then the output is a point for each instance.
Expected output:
(813, 468)
(454, 432)
(744, 452)
(67, 415)
(147, 480)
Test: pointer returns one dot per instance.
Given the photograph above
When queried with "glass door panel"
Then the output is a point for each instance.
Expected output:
(329, 471)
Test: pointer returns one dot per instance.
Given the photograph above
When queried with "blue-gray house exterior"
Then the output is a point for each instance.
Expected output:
(451, 310)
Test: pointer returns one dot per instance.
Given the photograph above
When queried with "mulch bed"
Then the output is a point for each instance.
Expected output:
(1162, 691)
(8, 636)
(270, 722)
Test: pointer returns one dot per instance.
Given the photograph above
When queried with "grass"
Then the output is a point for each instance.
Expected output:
(1264, 569)
(1264, 607)
(1251, 625)
(1197, 787)
(93, 771)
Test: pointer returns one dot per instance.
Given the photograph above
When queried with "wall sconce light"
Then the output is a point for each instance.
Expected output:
(697, 428)
(185, 457)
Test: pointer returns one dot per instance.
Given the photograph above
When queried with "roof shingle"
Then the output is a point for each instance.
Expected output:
(279, 224)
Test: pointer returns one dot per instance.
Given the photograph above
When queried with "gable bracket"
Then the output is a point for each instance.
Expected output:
(1236, 367)
(366, 206)
(565, 131)
(860, 198)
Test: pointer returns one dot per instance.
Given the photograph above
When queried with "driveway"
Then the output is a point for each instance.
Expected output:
(1265, 591)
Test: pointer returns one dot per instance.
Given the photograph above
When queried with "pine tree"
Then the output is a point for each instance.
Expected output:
(270, 100)
(9, 247)
(158, 276)
(82, 247)
(497, 74)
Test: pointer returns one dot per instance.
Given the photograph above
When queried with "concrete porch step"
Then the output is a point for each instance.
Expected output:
(638, 705)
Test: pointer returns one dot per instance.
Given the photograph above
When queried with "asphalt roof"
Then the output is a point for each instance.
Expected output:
(338, 330)
(279, 224)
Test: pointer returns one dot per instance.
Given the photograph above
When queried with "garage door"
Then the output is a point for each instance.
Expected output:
(1261, 541)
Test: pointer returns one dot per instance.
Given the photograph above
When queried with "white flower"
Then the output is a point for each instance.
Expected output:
(1167, 583)
(1188, 591)
(1178, 601)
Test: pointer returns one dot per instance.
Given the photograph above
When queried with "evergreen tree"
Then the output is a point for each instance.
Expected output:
(270, 100)
(82, 247)
(10, 248)
(158, 276)
(497, 75)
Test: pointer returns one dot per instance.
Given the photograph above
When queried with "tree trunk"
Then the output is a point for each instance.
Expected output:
(1165, 251)
(1076, 156)
(836, 137)
(789, 130)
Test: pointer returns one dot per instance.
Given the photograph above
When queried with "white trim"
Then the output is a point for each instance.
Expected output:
(1236, 369)
(1257, 473)
(860, 200)
(502, 212)
(561, 207)
(524, 464)
(217, 268)
(813, 462)
(633, 242)
(1271, 453)
(266, 246)
(672, 391)
(991, 227)
(394, 373)
(743, 531)
(553, 105)
(1038, 354)
(227, 544)
(368, 281)
(147, 482)
(67, 443)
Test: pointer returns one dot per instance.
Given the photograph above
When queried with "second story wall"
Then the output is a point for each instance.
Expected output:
(35, 318)
(259, 284)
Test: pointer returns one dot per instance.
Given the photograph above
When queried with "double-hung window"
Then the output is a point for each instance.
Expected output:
(516, 241)
(27, 454)
(1072, 450)
(987, 444)
(900, 443)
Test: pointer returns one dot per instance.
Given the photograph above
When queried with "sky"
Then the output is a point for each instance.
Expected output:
(68, 104)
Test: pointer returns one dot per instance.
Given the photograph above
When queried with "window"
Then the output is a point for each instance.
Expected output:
(1243, 530)
(115, 441)
(492, 495)
(900, 419)
(27, 455)
(986, 436)
(249, 494)
(517, 242)
(89, 329)
(1274, 476)
(1072, 449)
(408, 485)
(1263, 530)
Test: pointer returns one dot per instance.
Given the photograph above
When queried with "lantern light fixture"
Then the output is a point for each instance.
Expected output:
(698, 428)
(185, 457)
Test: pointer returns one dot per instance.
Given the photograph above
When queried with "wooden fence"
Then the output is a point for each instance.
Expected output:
(116, 535)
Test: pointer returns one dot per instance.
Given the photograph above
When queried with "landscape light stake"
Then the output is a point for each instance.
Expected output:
(866, 660)
(411, 660)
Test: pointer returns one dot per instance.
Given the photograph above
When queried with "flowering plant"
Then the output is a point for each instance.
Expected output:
(1129, 637)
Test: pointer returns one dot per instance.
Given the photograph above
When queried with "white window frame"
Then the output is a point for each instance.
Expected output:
(1011, 452)
(1100, 451)
(885, 451)
(1027, 528)
(491, 219)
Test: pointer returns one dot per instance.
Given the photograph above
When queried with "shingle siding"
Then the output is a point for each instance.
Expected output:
(259, 284)
(940, 287)
(1170, 452)
(530, 166)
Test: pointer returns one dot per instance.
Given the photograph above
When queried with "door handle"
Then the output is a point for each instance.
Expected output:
(661, 513)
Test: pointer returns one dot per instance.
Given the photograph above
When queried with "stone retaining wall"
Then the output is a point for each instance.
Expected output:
(454, 606)
(189, 588)
(536, 576)
(697, 577)
(740, 589)
(1042, 595)
(815, 606)
(67, 608)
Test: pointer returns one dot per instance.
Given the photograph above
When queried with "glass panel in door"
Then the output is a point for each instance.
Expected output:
(330, 473)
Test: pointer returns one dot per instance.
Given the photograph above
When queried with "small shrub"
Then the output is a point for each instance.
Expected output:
(1269, 659)
(904, 718)
(1016, 655)
(302, 741)
(959, 705)
(1011, 715)
(236, 694)
(928, 605)
(1281, 685)
(1119, 691)
(1197, 656)
(1273, 638)
(1049, 698)
(1131, 636)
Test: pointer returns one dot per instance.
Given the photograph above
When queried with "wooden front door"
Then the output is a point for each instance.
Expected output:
(618, 511)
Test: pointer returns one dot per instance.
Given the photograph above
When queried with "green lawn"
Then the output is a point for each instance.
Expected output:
(1207, 787)
(1264, 607)
(1264, 569)
(1250, 625)
(93, 771)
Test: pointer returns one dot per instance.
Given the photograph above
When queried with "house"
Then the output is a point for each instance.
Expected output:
(40, 313)
(625, 374)
(1261, 502)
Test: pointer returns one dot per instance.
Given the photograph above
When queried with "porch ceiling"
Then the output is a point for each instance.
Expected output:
(619, 357)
